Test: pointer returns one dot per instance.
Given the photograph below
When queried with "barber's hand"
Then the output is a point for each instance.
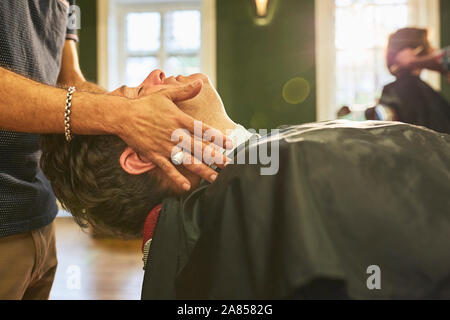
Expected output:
(153, 120)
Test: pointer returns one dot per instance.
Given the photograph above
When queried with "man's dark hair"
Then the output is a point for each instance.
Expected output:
(88, 180)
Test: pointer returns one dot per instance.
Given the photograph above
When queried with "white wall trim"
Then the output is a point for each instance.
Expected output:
(325, 59)
(102, 43)
(209, 40)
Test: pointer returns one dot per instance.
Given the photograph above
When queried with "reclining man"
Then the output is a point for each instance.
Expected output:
(355, 210)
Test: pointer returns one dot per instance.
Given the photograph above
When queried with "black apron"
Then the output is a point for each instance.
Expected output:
(347, 197)
(415, 102)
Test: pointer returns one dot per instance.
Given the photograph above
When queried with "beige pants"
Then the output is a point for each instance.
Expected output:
(28, 264)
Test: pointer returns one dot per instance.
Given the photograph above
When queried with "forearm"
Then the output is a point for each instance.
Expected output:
(82, 85)
(431, 62)
(70, 73)
(90, 87)
(28, 106)
(76, 79)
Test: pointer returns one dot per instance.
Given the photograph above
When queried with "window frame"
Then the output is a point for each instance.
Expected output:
(111, 31)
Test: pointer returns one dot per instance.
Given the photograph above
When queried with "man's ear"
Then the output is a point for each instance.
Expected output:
(133, 164)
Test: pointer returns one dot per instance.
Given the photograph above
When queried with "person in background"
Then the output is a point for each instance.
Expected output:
(409, 99)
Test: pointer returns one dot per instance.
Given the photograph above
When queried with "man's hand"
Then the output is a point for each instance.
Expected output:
(153, 120)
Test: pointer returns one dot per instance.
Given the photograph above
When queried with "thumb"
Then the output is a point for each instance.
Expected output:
(186, 92)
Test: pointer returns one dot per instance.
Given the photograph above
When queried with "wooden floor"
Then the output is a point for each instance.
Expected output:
(105, 268)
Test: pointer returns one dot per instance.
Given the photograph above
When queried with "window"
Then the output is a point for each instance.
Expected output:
(362, 29)
(144, 35)
(357, 38)
(170, 40)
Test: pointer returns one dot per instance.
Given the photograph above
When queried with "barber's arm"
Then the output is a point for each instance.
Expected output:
(437, 61)
(146, 124)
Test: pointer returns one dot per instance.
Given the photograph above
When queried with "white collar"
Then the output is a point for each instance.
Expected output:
(239, 135)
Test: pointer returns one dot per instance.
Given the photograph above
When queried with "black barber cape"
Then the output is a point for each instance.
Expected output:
(348, 198)
(415, 102)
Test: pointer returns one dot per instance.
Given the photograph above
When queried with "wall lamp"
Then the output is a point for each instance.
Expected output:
(262, 7)
(263, 11)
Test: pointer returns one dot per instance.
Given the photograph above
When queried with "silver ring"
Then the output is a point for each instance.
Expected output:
(177, 158)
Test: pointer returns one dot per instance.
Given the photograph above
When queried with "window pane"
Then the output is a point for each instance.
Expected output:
(354, 28)
(390, 1)
(343, 3)
(388, 19)
(137, 69)
(355, 78)
(143, 31)
(183, 31)
(383, 75)
(182, 65)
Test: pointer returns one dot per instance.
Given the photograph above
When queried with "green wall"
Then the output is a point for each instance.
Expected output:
(254, 62)
(445, 39)
(88, 39)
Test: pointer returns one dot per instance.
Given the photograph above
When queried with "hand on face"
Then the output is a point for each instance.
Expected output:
(157, 117)
(157, 81)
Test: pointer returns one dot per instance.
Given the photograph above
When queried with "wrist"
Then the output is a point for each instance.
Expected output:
(118, 114)
(98, 113)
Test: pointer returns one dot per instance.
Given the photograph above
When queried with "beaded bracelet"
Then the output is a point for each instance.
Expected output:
(67, 114)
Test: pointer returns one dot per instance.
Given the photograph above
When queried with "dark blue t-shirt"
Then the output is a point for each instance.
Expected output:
(32, 34)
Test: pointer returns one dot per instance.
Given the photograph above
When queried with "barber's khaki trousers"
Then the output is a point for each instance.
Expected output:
(28, 264)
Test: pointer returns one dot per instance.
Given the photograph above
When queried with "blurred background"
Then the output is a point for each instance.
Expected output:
(273, 61)
(301, 63)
